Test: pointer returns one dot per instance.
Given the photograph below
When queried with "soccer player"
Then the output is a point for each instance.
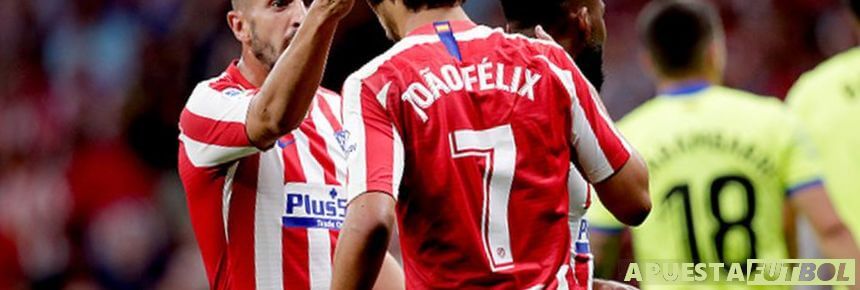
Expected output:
(723, 162)
(827, 100)
(469, 132)
(259, 156)
(578, 26)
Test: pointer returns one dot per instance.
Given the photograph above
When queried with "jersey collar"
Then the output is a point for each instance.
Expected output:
(236, 76)
(430, 29)
(685, 89)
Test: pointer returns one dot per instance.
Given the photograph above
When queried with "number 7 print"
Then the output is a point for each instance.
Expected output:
(497, 147)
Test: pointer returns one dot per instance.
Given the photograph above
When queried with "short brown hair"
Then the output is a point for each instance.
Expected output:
(676, 33)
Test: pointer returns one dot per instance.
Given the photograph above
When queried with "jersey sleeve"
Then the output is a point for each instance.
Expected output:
(801, 169)
(375, 150)
(212, 126)
(598, 148)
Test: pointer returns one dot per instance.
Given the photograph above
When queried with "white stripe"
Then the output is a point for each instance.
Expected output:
(325, 130)
(333, 102)
(310, 166)
(605, 115)
(589, 153)
(354, 124)
(561, 276)
(397, 162)
(226, 195)
(319, 258)
(382, 96)
(268, 247)
(207, 102)
(206, 155)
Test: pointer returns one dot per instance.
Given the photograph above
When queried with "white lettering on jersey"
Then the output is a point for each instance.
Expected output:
(481, 77)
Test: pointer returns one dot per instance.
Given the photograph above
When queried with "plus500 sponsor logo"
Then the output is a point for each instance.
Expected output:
(306, 205)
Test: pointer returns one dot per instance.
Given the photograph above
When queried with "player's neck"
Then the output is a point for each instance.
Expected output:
(428, 16)
(524, 30)
(252, 69)
(669, 84)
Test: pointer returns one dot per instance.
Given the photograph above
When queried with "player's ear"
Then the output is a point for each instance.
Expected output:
(579, 18)
(648, 63)
(715, 58)
(237, 25)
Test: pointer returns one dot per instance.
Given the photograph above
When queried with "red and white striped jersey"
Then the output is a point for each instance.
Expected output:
(475, 140)
(263, 219)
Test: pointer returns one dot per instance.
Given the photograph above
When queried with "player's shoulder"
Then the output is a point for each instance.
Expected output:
(824, 76)
(325, 92)
(768, 111)
(221, 85)
(644, 114)
(835, 65)
(740, 100)
(531, 43)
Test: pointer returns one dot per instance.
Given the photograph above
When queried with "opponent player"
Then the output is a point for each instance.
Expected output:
(266, 216)
(827, 100)
(723, 162)
(470, 132)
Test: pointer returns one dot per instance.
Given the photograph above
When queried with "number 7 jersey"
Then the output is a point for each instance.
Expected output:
(472, 131)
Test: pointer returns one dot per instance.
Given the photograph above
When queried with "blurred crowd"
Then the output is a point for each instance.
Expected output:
(92, 91)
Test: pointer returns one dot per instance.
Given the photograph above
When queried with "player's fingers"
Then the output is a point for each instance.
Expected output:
(541, 34)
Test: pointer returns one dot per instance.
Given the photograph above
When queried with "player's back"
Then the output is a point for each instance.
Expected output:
(483, 197)
(827, 99)
(722, 162)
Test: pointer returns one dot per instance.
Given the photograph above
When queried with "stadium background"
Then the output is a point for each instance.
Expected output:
(92, 90)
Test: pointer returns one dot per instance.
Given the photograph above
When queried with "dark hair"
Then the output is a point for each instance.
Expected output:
(676, 32)
(416, 5)
(855, 7)
(527, 14)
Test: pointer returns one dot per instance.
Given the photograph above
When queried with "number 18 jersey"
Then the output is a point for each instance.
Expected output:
(722, 163)
(472, 131)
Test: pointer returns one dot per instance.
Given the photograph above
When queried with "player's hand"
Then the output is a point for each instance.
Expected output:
(541, 34)
(334, 9)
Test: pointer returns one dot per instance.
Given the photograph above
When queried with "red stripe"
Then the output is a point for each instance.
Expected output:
(326, 111)
(203, 193)
(379, 147)
(292, 164)
(610, 144)
(296, 269)
(319, 150)
(587, 196)
(214, 132)
(240, 224)
(333, 236)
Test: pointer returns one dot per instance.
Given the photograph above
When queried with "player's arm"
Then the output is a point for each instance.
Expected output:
(808, 196)
(617, 171)
(363, 241)
(374, 166)
(390, 276)
(286, 94)
(625, 194)
(835, 238)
